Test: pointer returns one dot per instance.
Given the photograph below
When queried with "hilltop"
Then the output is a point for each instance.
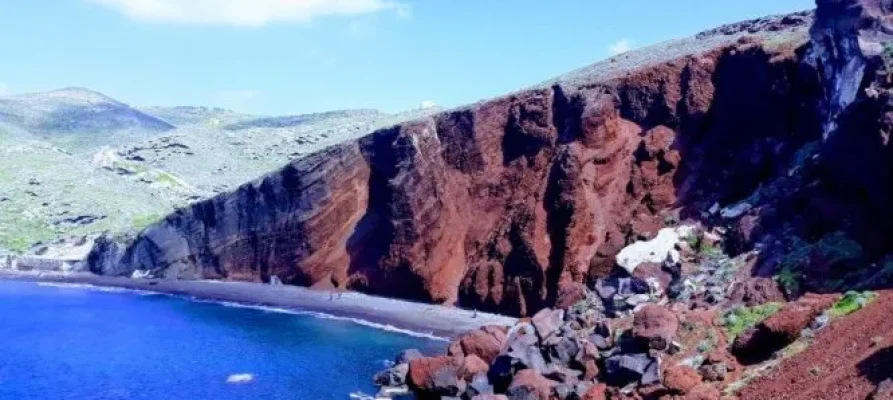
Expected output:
(75, 162)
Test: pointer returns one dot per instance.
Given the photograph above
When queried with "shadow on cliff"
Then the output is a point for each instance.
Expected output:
(828, 222)
(374, 269)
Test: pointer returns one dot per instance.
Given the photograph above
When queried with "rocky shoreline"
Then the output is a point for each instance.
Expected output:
(679, 329)
(413, 318)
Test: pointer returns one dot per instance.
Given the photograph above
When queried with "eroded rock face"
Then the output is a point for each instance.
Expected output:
(506, 206)
(845, 34)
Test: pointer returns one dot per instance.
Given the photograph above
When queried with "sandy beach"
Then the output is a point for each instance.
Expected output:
(403, 316)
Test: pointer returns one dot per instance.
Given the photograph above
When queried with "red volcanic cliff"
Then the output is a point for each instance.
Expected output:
(510, 204)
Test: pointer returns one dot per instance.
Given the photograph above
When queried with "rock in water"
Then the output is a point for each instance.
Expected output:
(436, 376)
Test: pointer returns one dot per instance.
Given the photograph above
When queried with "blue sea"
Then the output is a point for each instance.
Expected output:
(62, 342)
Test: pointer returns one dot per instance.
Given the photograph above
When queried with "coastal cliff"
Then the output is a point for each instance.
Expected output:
(779, 290)
(514, 204)
(511, 204)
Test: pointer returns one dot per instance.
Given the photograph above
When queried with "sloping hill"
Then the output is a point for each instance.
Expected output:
(93, 117)
(77, 155)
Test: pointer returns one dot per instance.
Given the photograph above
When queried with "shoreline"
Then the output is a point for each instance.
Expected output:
(416, 319)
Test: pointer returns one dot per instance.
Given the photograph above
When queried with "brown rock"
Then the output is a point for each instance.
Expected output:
(703, 392)
(527, 384)
(681, 379)
(756, 291)
(436, 376)
(471, 366)
(570, 294)
(779, 330)
(653, 270)
(597, 392)
(655, 325)
(789, 322)
(485, 343)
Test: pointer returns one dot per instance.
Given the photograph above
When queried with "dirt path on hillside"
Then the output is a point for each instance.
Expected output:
(847, 360)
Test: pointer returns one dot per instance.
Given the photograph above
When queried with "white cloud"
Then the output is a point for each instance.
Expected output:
(248, 12)
(4, 88)
(620, 46)
(236, 99)
(426, 104)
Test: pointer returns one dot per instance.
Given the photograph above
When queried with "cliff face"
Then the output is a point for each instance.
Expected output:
(511, 204)
(845, 35)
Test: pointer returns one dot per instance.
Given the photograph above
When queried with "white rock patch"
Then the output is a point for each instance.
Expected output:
(656, 250)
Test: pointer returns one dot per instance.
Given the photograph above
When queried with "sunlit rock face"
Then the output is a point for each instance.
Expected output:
(510, 204)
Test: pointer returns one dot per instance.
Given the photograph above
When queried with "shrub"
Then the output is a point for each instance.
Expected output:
(850, 303)
(740, 319)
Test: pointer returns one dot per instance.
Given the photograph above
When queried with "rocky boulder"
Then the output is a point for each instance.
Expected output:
(408, 355)
(547, 322)
(392, 377)
(779, 330)
(681, 379)
(485, 343)
(529, 385)
(473, 366)
(436, 376)
(622, 369)
(655, 326)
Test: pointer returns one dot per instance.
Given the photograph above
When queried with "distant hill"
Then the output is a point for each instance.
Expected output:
(76, 110)
(77, 162)
(292, 121)
(189, 115)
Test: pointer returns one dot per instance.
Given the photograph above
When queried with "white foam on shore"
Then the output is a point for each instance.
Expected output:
(95, 288)
(315, 314)
(363, 396)
(321, 315)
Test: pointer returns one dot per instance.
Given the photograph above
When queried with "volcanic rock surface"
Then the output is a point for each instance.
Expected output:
(504, 205)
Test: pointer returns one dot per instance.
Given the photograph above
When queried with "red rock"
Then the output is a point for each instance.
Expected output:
(703, 392)
(757, 291)
(425, 374)
(780, 329)
(528, 384)
(655, 271)
(597, 392)
(570, 294)
(655, 325)
(485, 343)
(681, 379)
(471, 366)
(499, 206)
(789, 322)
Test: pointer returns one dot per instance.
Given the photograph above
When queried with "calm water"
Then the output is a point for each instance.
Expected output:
(74, 343)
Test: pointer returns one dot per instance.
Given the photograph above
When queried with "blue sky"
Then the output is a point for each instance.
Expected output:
(296, 56)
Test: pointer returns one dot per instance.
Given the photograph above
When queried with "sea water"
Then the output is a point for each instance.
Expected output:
(69, 342)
